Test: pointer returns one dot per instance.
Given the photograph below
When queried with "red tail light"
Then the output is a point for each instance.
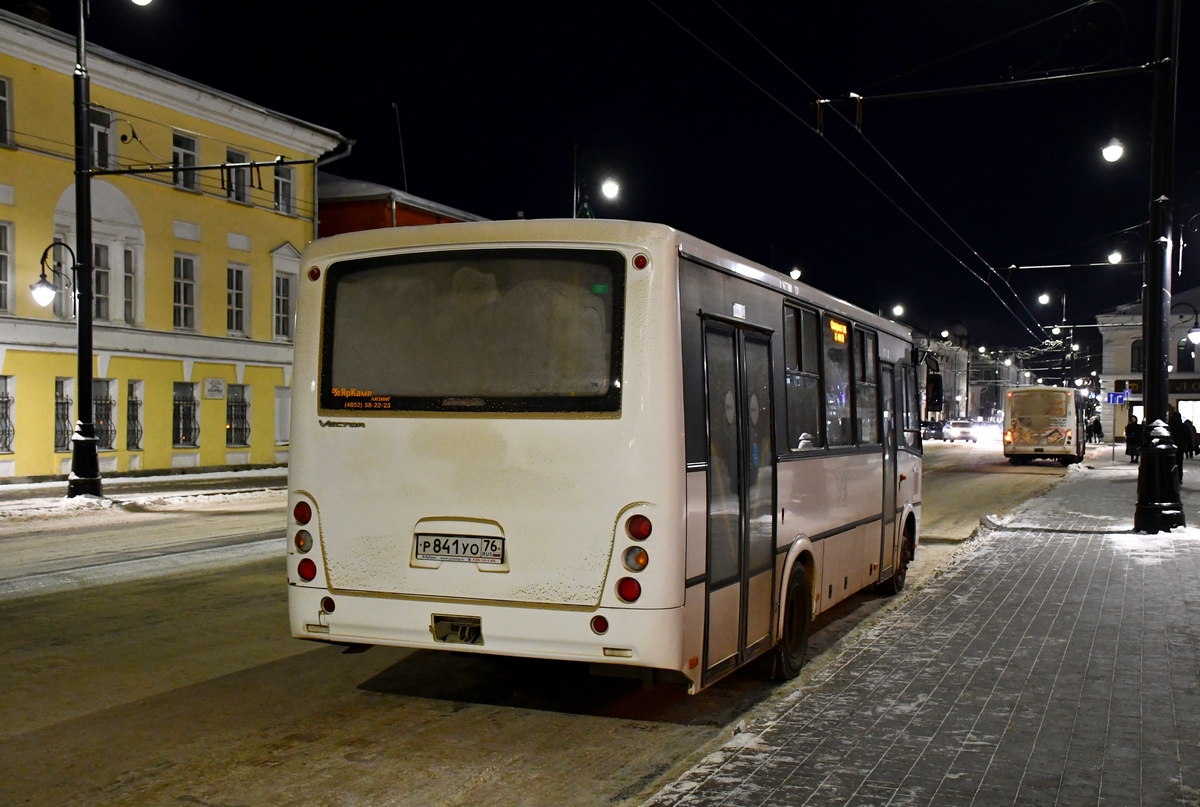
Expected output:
(302, 512)
(307, 570)
(1008, 435)
(639, 527)
(628, 589)
(599, 624)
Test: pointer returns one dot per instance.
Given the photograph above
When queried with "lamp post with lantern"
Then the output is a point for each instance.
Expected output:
(85, 464)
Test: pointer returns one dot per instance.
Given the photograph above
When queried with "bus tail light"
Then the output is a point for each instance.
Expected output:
(303, 541)
(1070, 436)
(302, 512)
(599, 625)
(1008, 435)
(628, 589)
(639, 527)
(307, 570)
(635, 558)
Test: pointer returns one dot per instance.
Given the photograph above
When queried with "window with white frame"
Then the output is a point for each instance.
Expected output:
(235, 294)
(7, 303)
(183, 156)
(101, 144)
(101, 285)
(7, 430)
(283, 415)
(130, 287)
(6, 138)
(285, 286)
(104, 413)
(237, 415)
(133, 416)
(237, 180)
(285, 189)
(185, 293)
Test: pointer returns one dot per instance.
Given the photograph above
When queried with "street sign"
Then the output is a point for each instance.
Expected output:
(1116, 398)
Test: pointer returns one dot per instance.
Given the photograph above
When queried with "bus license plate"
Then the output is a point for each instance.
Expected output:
(460, 548)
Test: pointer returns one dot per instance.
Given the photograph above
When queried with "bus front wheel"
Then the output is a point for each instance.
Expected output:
(797, 622)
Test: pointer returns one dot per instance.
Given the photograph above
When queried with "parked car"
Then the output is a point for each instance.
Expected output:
(958, 430)
(932, 429)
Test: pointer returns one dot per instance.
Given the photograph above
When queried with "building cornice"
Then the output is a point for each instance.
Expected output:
(53, 50)
(25, 333)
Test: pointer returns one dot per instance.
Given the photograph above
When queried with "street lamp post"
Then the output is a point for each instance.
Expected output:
(85, 463)
(84, 479)
(1158, 501)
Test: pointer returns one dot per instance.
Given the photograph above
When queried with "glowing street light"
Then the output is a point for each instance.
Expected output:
(1115, 256)
(610, 188)
(897, 310)
(795, 273)
(1113, 151)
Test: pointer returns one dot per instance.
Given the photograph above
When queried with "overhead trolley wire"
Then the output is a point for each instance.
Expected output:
(850, 162)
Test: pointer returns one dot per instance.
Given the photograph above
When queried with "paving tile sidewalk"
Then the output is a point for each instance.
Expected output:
(1055, 662)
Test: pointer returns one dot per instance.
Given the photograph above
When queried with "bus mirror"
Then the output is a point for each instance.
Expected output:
(933, 392)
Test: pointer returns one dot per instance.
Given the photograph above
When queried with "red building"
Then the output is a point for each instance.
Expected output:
(349, 205)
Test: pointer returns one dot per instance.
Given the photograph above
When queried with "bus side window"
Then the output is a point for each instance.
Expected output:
(910, 408)
(866, 388)
(802, 379)
(839, 386)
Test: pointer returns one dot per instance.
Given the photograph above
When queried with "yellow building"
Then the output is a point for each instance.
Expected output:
(195, 272)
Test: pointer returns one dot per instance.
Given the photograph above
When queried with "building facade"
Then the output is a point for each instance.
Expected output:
(350, 205)
(194, 275)
(1125, 357)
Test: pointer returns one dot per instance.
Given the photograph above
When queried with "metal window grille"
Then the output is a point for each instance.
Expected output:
(103, 409)
(62, 419)
(237, 417)
(185, 428)
(7, 431)
(133, 423)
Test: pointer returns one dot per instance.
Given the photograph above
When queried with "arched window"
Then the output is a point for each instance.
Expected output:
(1137, 357)
(1185, 356)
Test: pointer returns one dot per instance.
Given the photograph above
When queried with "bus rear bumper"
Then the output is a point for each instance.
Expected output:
(640, 638)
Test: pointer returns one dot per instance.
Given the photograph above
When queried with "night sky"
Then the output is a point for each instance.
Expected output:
(494, 97)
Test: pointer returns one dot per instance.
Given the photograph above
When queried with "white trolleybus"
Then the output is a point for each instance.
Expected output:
(590, 440)
(1043, 423)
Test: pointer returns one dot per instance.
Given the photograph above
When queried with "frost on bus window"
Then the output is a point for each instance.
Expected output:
(472, 326)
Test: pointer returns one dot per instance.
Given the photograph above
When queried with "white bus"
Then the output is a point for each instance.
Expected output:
(591, 440)
(1043, 423)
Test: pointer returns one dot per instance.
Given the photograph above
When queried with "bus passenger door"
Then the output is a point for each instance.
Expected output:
(741, 497)
(891, 422)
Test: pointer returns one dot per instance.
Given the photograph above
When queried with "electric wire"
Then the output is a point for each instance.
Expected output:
(906, 182)
(890, 199)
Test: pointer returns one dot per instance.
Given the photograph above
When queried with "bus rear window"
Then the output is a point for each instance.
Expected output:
(468, 330)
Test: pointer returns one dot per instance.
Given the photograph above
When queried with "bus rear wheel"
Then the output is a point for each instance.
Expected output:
(895, 584)
(797, 622)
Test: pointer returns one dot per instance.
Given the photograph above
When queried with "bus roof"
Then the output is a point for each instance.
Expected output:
(612, 231)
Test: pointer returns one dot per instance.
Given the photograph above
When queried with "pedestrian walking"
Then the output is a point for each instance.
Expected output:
(1099, 432)
(1133, 438)
(1089, 430)
(1191, 430)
